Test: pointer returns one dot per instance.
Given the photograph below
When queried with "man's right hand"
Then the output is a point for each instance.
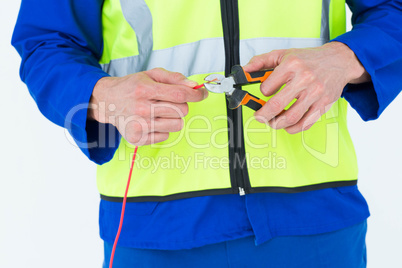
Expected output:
(145, 107)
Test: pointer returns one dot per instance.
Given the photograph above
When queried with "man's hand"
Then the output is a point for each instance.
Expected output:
(145, 107)
(313, 76)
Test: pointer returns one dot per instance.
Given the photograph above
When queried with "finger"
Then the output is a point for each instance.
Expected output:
(149, 138)
(264, 61)
(137, 130)
(275, 81)
(178, 94)
(166, 125)
(275, 105)
(168, 109)
(167, 77)
(292, 115)
(307, 121)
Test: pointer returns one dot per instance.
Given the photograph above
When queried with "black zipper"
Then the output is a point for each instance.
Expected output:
(237, 157)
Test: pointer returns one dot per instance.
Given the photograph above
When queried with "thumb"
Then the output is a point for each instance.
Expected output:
(188, 82)
(264, 61)
(167, 77)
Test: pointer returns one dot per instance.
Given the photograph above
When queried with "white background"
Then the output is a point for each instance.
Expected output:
(49, 202)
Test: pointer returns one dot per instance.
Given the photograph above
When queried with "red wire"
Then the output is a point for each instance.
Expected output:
(122, 210)
(199, 86)
(125, 201)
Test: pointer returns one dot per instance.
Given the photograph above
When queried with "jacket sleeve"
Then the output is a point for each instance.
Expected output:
(376, 39)
(60, 43)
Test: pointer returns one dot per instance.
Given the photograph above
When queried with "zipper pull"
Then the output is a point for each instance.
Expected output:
(241, 191)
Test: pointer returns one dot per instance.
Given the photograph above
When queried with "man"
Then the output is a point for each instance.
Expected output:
(221, 188)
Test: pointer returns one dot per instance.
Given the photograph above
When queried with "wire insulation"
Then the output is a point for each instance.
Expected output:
(199, 86)
(123, 208)
(125, 201)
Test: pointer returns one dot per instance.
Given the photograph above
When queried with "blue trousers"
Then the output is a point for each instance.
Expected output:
(345, 248)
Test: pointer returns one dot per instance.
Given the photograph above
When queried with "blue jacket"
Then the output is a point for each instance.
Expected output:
(60, 43)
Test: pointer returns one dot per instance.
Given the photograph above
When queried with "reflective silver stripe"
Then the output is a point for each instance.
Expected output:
(204, 56)
(256, 46)
(325, 20)
(139, 17)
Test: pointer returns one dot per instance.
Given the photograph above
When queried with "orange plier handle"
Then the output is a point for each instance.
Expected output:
(242, 97)
(242, 78)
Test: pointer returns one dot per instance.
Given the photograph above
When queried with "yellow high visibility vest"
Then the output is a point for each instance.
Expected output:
(222, 151)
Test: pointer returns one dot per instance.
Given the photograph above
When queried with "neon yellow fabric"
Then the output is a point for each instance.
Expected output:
(337, 18)
(119, 40)
(196, 158)
(276, 158)
(273, 18)
(181, 22)
(174, 166)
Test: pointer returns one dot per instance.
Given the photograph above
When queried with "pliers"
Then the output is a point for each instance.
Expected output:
(230, 85)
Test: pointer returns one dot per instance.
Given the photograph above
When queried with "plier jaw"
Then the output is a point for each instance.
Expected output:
(217, 83)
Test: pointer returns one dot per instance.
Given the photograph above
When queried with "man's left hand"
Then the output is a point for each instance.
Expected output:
(313, 76)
